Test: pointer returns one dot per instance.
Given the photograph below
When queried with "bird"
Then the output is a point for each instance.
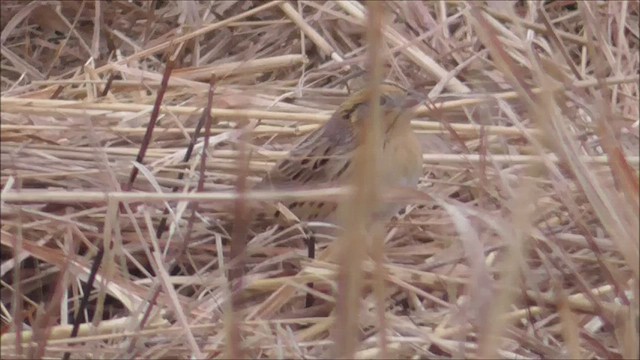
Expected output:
(325, 157)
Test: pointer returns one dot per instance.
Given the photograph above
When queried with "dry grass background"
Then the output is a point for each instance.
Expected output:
(522, 242)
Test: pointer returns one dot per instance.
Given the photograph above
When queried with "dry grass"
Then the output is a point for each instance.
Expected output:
(521, 243)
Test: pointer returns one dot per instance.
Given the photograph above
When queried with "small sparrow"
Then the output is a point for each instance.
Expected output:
(325, 157)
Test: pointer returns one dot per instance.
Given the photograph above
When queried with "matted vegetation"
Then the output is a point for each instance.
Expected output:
(522, 241)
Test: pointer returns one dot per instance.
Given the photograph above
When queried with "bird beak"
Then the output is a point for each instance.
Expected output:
(411, 102)
(407, 101)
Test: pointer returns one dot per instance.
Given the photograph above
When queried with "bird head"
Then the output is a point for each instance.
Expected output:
(397, 106)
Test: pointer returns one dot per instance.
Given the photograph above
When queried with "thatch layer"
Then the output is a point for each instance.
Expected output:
(522, 242)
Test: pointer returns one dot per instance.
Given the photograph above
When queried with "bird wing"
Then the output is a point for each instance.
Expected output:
(319, 158)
